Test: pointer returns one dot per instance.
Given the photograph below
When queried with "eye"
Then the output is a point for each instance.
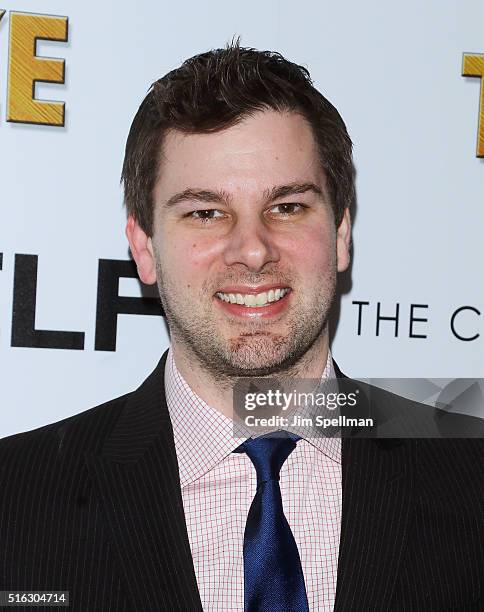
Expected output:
(205, 216)
(286, 210)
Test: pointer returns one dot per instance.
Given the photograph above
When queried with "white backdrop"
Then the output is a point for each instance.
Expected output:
(394, 70)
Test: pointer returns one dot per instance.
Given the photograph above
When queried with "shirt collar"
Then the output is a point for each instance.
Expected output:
(204, 436)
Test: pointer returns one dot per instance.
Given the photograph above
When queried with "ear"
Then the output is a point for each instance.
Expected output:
(343, 239)
(142, 251)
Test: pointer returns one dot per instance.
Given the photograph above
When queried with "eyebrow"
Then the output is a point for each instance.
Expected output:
(222, 197)
(292, 189)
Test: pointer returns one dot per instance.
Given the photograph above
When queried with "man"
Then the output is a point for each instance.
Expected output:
(238, 182)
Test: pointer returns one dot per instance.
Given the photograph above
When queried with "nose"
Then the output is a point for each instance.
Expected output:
(251, 244)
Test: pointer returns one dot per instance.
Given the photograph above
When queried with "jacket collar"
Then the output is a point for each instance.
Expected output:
(378, 489)
(136, 480)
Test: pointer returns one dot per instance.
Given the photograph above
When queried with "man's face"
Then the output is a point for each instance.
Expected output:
(245, 244)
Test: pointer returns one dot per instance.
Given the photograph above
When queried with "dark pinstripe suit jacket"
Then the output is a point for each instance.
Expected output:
(92, 505)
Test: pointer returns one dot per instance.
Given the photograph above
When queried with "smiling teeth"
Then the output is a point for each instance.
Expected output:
(250, 300)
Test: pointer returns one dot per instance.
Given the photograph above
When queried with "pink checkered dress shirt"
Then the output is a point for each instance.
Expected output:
(218, 487)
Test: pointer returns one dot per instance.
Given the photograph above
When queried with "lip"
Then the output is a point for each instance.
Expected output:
(257, 312)
(250, 290)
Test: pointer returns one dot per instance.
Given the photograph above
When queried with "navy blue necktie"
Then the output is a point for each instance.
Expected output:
(273, 577)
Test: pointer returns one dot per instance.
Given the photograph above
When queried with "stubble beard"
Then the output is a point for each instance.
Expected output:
(255, 350)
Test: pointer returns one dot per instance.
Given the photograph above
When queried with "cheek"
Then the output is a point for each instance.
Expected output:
(202, 252)
(313, 252)
(190, 259)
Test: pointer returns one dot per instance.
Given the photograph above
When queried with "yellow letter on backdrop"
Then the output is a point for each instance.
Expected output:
(473, 65)
(25, 68)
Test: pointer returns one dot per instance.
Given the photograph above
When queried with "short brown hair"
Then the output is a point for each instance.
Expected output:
(215, 90)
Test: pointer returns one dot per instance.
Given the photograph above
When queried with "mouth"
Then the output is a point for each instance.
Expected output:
(258, 302)
(254, 300)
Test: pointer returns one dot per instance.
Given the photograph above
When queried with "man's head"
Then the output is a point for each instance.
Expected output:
(215, 90)
(238, 177)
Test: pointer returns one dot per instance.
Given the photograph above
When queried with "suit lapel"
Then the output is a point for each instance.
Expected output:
(137, 482)
(377, 500)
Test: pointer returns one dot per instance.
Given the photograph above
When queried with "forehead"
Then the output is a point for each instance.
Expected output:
(262, 150)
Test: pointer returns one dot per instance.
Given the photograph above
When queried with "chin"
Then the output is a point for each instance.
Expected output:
(261, 357)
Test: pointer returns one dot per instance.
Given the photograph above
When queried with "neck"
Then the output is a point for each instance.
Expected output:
(219, 396)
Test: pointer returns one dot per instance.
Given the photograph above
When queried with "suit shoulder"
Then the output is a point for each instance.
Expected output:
(80, 433)
(397, 416)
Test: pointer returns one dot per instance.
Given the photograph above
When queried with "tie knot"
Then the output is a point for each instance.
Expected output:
(268, 454)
